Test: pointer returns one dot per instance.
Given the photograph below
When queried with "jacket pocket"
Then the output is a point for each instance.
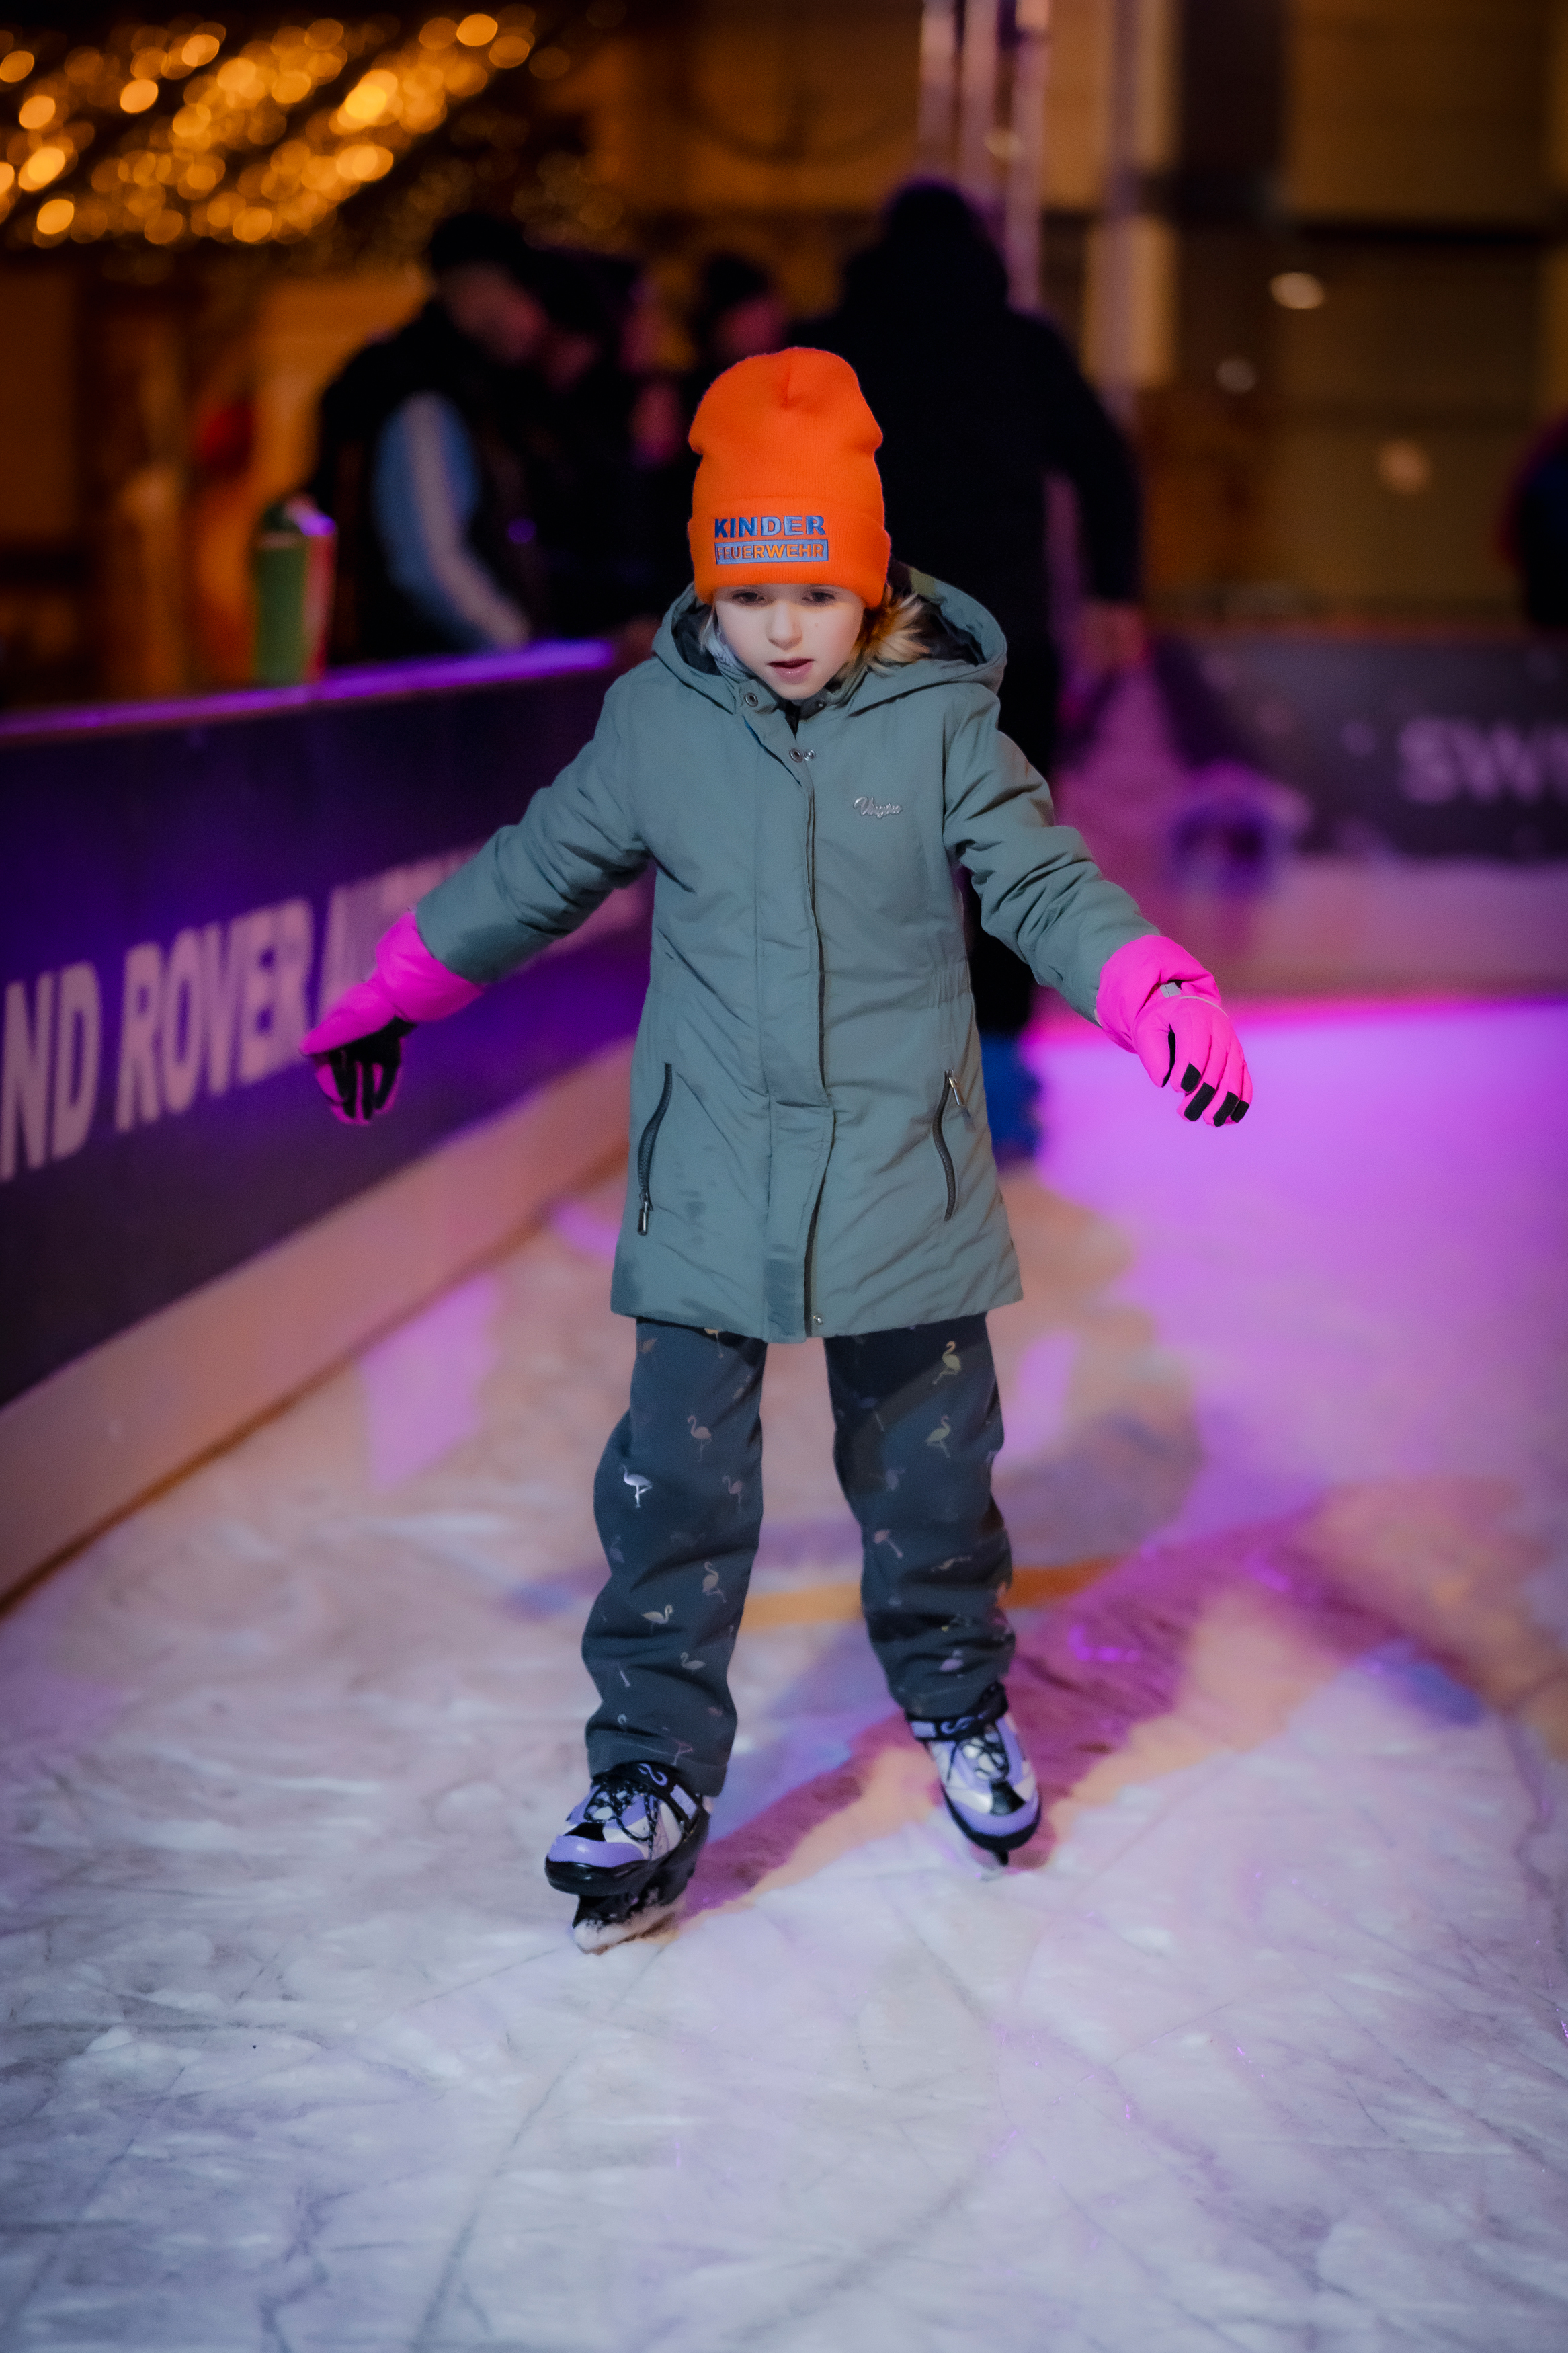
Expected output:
(950, 1087)
(646, 1143)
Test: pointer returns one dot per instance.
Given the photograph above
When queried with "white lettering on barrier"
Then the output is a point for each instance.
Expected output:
(25, 1074)
(180, 1023)
(79, 1046)
(293, 945)
(222, 952)
(258, 983)
(40, 1121)
(136, 1096)
(226, 1002)
(1443, 760)
(230, 998)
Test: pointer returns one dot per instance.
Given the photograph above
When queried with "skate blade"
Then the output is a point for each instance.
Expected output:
(979, 1860)
(990, 1853)
(596, 1935)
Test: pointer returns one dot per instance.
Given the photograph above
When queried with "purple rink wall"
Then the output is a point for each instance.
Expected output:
(189, 887)
(186, 1237)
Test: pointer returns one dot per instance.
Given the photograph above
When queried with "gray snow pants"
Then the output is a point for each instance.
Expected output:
(678, 1502)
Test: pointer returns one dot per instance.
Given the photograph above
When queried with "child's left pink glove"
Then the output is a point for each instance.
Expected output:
(1159, 1002)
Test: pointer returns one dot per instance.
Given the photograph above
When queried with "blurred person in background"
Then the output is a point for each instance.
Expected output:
(978, 403)
(601, 450)
(738, 314)
(1535, 527)
(466, 459)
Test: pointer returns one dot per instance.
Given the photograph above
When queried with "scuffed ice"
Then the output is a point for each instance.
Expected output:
(1262, 2049)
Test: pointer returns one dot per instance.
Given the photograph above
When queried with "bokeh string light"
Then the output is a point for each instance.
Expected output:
(244, 143)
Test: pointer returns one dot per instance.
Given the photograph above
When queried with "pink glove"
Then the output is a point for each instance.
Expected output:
(1159, 1002)
(357, 1047)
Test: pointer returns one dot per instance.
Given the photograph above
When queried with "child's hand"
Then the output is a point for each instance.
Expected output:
(357, 1051)
(357, 1047)
(1159, 1002)
(1190, 1040)
(361, 1079)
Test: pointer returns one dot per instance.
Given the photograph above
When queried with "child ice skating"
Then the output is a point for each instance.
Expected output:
(812, 745)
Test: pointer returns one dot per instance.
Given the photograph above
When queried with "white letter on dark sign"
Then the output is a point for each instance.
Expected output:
(78, 1044)
(25, 1075)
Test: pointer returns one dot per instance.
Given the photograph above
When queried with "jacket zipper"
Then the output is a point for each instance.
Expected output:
(809, 1288)
(645, 1150)
(948, 1085)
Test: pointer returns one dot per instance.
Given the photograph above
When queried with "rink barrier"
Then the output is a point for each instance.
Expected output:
(1419, 746)
(189, 882)
(1324, 809)
(96, 1437)
(188, 886)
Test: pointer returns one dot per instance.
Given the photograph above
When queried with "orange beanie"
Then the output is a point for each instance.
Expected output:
(788, 487)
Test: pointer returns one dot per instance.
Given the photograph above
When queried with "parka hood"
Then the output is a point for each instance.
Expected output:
(973, 650)
(810, 1154)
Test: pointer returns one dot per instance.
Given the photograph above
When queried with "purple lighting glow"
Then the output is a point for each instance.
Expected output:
(1276, 1996)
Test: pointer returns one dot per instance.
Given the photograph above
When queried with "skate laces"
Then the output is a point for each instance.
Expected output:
(986, 1751)
(616, 1793)
(611, 1801)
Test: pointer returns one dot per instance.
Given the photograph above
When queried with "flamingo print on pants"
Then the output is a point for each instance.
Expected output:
(679, 1541)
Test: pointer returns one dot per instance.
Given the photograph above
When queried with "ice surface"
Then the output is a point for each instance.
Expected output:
(1263, 2048)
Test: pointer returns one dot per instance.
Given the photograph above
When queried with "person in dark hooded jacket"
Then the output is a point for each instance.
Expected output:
(978, 402)
(1535, 527)
(418, 460)
(478, 464)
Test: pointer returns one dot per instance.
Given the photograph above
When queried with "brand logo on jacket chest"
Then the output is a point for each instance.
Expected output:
(868, 808)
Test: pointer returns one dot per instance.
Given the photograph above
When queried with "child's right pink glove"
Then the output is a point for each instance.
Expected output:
(1159, 1002)
(357, 1047)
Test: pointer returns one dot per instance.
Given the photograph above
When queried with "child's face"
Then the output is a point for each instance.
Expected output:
(797, 638)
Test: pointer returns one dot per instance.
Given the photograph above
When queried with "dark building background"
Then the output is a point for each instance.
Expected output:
(1344, 312)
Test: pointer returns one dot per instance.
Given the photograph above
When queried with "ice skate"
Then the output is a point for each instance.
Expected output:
(626, 1853)
(987, 1780)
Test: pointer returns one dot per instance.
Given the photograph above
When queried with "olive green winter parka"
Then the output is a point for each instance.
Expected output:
(810, 1149)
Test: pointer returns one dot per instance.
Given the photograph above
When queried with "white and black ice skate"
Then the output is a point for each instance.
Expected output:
(987, 1780)
(626, 1853)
